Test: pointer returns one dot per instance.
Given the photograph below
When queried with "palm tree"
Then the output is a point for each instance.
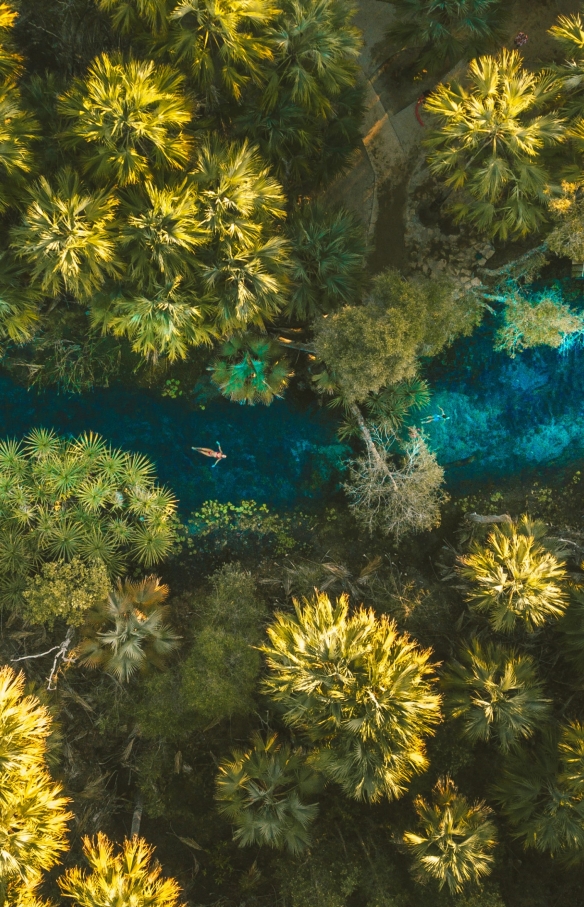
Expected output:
(245, 266)
(18, 130)
(33, 818)
(572, 629)
(128, 632)
(328, 259)
(128, 120)
(251, 370)
(515, 578)
(161, 231)
(66, 237)
(456, 839)
(497, 694)
(569, 34)
(225, 43)
(357, 690)
(263, 791)
(165, 319)
(127, 13)
(316, 49)
(10, 62)
(19, 309)
(287, 137)
(446, 30)
(129, 876)
(540, 793)
(571, 751)
(487, 143)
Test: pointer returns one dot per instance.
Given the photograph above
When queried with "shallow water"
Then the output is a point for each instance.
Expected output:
(281, 455)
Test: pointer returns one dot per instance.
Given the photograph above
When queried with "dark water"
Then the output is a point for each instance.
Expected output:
(280, 455)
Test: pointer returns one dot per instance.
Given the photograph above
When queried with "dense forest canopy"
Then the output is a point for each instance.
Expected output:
(374, 701)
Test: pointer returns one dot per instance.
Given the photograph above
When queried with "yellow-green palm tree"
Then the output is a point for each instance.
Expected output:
(455, 842)
(360, 692)
(224, 43)
(316, 47)
(33, 816)
(245, 265)
(515, 578)
(165, 319)
(126, 14)
(487, 141)
(568, 32)
(10, 61)
(263, 791)
(18, 130)
(128, 876)
(67, 237)
(161, 230)
(128, 632)
(497, 694)
(128, 120)
(19, 303)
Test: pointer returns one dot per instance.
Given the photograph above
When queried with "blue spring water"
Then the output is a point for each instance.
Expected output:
(280, 455)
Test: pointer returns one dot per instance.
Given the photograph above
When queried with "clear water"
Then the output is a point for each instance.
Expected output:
(281, 455)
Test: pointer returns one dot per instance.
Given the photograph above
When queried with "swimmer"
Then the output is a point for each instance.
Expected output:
(436, 417)
(208, 452)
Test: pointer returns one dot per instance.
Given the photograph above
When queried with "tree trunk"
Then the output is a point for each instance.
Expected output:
(137, 817)
(371, 448)
(491, 518)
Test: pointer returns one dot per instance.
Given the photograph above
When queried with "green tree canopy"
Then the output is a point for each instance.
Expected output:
(251, 369)
(357, 690)
(263, 792)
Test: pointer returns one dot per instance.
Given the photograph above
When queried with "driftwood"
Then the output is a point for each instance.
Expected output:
(490, 518)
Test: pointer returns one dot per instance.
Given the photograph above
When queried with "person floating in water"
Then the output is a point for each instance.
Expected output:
(209, 452)
(436, 417)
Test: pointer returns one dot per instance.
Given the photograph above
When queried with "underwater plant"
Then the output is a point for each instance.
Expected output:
(63, 498)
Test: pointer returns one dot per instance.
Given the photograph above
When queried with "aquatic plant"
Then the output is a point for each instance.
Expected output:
(497, 694)
(127, 632)
(487, 142)
(62, 498)
(251, 370)
(263, 791)
(515, 578)
(358, 691)
(443, 33)
(455, 842)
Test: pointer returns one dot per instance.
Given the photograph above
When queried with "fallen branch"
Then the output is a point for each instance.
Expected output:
(61, 651)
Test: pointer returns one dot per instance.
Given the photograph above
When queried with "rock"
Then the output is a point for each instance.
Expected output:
(475, 282)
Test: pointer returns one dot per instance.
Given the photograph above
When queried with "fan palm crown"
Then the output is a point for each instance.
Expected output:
(497, 694)
(263, 792)
(251, 370)
(355, 688)
(456, 839)
(18, 129)
(514, 578)
(128, 119)
(128, 632)
(129, 876)
(487, 141)
(66, 237)
(316, 48)
(224, 42)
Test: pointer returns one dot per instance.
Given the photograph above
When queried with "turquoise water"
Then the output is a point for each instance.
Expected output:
(281, 455)
(508, 415)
